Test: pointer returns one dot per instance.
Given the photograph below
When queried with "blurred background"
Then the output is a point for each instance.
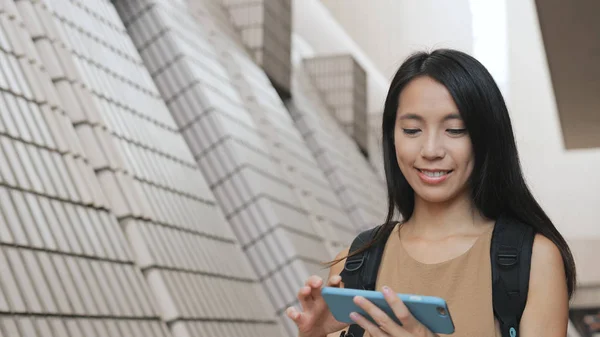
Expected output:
(179, 168)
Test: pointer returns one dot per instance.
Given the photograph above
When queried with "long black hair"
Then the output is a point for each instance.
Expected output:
(497, 184)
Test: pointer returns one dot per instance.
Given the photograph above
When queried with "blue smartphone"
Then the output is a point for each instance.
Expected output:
(430, 311)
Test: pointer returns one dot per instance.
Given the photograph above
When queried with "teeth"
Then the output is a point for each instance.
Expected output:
(435, 174)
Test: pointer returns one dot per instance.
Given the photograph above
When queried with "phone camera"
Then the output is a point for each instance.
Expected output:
(441, 311)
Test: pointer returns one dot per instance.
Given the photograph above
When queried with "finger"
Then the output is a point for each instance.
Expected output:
(380, 317)
(315, 283)
(304, 296)
(334, 281)
(400, 310)
(371, 328)
(294, 315)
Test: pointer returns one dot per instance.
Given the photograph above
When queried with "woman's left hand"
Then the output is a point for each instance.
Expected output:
(386, 327)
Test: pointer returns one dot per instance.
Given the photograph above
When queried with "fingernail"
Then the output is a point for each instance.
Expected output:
(358, 299)
(386, 289)
(353, 316)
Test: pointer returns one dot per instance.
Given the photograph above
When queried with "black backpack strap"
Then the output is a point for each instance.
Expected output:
(360, 270)
(511, 248)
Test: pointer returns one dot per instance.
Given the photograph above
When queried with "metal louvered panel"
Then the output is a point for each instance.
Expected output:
(142, 210)
(342, 83)
(359, 188)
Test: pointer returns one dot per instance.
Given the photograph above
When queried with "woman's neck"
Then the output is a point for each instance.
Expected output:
(438, 220)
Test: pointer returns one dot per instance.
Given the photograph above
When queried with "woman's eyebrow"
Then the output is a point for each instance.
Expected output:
(414, 116)
(453, 115)
(411, 116)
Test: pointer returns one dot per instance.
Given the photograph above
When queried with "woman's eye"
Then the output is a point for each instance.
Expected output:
(411, 131)
(457, 131)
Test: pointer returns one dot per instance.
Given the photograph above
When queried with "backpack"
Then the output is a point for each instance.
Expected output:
(510, 254)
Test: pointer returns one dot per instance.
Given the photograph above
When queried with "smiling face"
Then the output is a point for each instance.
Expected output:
(433, 147)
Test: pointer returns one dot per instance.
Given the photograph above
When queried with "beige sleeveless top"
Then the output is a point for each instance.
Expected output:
(465, 283)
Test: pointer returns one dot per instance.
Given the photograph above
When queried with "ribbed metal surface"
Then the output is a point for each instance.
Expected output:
(152, 174)
(154, 188)
(360, 190)
(65, 266)
(343, 85)
(266, 29)
(298, 166)
(277, 199)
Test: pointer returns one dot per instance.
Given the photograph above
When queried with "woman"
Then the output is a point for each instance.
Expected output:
(452, 168)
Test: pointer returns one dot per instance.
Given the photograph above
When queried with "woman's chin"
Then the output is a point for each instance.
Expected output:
(437, 197)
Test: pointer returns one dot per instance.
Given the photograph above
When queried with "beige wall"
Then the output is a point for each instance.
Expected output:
(389, 30)
(318, 33)
(570, 30)
(566, 182)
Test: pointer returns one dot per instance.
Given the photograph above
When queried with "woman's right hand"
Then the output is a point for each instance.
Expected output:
(315, 319)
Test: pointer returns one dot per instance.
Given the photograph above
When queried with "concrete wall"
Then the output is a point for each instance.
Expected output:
(565, 182)
(315, 27)
(389, 30)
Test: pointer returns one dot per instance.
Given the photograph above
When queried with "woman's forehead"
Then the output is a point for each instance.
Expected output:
(424, 96)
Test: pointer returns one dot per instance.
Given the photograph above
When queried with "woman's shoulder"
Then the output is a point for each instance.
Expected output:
(547, 267)
(547, 300)
(545, 256)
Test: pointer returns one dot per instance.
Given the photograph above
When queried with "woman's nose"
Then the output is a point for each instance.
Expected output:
(432, 148)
